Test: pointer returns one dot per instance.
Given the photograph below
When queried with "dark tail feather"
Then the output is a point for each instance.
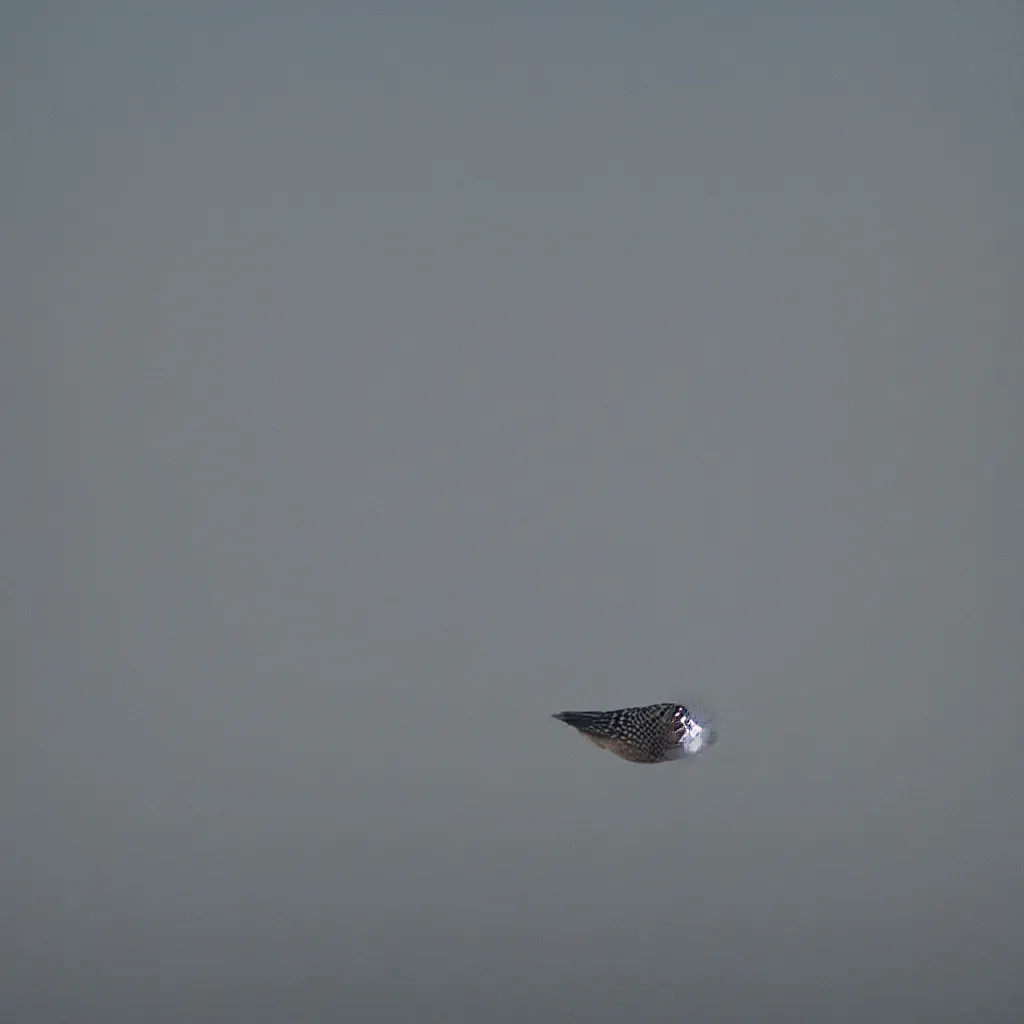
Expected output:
(578, 719)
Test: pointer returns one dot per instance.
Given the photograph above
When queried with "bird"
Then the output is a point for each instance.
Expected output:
(650, 734)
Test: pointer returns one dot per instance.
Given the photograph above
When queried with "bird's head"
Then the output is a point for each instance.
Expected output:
(694, 733)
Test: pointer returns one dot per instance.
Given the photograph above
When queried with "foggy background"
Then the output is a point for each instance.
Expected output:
(378, 379)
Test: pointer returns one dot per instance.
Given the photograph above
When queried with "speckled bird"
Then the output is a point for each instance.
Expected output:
(646, 735)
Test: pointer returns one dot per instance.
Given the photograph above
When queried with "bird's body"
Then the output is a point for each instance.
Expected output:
(646, 735)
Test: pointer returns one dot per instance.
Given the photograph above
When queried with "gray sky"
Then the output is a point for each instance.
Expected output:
(377, 383)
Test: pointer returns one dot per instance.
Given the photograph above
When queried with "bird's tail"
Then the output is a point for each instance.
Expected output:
(585, 721)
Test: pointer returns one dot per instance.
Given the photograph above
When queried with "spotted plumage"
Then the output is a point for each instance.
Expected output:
(646, 735)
